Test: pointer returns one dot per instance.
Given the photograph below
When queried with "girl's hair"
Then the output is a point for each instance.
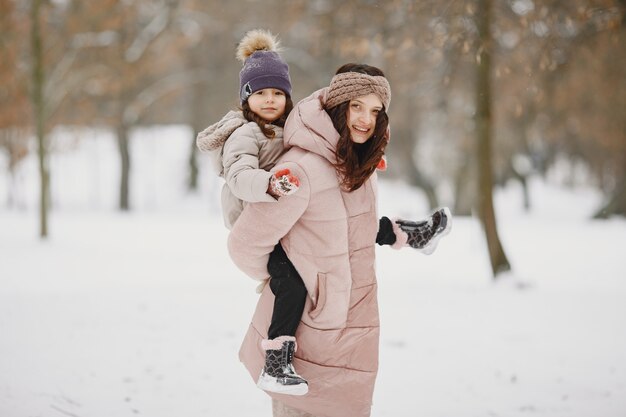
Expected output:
(357, 162)
(251, 116)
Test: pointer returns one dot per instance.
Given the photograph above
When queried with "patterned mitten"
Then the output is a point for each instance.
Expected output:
(282, 183)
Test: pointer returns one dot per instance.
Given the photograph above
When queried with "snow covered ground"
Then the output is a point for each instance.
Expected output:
(142, 314)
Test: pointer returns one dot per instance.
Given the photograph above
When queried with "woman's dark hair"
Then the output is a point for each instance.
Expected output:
(251, 116)
(357, 162)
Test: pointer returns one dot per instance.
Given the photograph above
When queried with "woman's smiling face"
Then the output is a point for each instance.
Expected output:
(362, 113)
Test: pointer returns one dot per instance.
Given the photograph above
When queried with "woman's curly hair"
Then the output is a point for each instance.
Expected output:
(357, 162)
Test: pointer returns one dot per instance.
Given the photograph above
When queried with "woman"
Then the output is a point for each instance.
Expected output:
(328, 229)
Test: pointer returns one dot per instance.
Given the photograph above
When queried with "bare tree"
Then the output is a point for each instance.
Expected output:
(38, 104)
(142, 76)
(16, 114)
(556, 78)
(484, 132)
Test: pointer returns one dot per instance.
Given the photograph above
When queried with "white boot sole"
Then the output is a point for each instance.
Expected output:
(268, 383)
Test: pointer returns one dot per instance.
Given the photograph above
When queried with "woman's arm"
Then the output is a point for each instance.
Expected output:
(261, 226)
(241, 167)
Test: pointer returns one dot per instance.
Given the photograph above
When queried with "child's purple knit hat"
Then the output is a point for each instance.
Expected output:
(262, 65)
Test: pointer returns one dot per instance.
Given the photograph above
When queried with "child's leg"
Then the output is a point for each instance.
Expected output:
(290, 294)
(278, 374)
(422, 235)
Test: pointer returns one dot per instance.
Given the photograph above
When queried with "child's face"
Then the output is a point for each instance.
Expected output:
(269, 103)
(362, 113)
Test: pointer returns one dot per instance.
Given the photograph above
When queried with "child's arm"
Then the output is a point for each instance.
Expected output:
(241, 167)
(261, 226)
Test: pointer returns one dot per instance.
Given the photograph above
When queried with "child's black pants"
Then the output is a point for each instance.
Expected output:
(290, 293)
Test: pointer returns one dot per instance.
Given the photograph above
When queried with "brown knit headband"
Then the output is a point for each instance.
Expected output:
(350, 85)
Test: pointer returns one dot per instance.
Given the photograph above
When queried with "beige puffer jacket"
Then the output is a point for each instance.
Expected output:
(329, 236)
(243, 155)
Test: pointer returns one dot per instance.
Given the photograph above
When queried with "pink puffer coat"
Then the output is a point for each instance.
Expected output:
(329, 235)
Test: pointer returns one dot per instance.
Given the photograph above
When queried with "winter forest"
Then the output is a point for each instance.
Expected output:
(117, 295)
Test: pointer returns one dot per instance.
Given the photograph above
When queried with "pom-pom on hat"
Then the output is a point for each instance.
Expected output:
(262, 65)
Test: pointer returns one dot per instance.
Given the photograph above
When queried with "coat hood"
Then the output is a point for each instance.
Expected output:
(309, 127)
(214, 136)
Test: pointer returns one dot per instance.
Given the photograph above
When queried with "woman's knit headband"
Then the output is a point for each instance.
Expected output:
(350, 85)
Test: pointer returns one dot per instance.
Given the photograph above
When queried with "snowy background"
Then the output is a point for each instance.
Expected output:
(142, 314)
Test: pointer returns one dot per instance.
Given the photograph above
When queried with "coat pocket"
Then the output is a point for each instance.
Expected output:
(329, 304)
(320, 297)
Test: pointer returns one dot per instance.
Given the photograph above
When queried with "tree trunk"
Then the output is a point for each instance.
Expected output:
(616, 204)
(402, 164)
(523, 179)
(123, 145)
(402, 149)
(39, 116)
(198, 121)
(484, 131)
(192, 183)
(418, 180)
(464, 189)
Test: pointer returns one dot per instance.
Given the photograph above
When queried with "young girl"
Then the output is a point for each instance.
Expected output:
(247, 144)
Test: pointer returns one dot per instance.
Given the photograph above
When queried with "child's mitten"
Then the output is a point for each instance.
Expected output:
(282, 183)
